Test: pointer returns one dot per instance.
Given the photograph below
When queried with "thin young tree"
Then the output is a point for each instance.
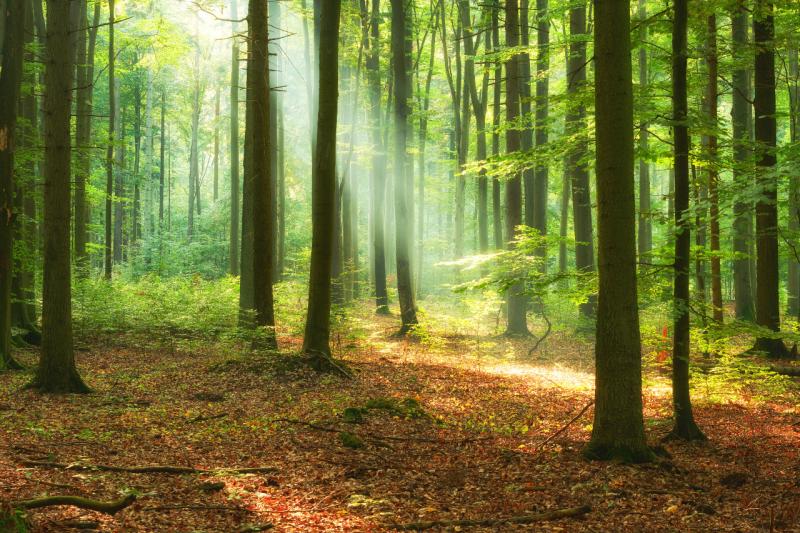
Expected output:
(685, 426)
(712, 100)
(10, 83)
(541, 170)
(108, 258)
(618, 430)
(234, 148)
(57, 371)
(404, 232)
(316, 343)
(767, 259)
(645, 234)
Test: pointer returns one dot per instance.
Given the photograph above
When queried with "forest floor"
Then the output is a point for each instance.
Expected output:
(451, 427)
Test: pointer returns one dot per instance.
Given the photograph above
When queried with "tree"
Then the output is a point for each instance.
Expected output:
(618, 430)
(404, 232)
(576, 126)
(516, 302)
(741, 116)
(111, 139)
(497, 92)
(767, 280)
(260, 175)
(645, 240)
(234, 147)
(57, 371)
(712, 97)
(10, 83)
(542, 110)
(685, 427)
(316, 343)
(378, 161)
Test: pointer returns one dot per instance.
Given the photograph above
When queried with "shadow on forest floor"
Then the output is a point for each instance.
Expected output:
(448, 428)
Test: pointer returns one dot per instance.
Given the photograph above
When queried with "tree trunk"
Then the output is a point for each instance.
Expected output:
(645, 240)
(10, 83)
(111, 138)
(497, 91)
(216, 145)
(119, 184)
(262, 222)
(316, 342)
(540, 188)
(563, 220)
(279, 172)
(526, 133)
(576, 126)
(403, 232)
(194, 164)
(712, 97)
(234, 146)
(57, 371)
(517, 304)
(378, 162)
(161, 167)
(741, 115)
(618, 430)
(685, 427)
(423, 139)
(767, 280)
(793, 285)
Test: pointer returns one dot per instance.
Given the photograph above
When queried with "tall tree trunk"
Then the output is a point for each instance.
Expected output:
(767, 280)
(111, 139)
(741, 118)
(194, 163)
(712, 97)
(279, 172)
(161, 167)
(136, 222)
(618, 430)
(516, 302)
(793, 285)
(526, 133)
(576, 126)
(119, 175)
(645, 240)
(57, 371)
(378, 162)
(685, 427)
(316, 342)
(497, 91)
(10, 82)
(216, 145)
(563, 219)
(540, 188)
(260, 178)
(403, 232)
(423, 139)
(234, 146)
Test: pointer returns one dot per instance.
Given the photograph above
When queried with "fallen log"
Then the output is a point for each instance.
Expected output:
(570, 512)
(110, 508)
(151, 469)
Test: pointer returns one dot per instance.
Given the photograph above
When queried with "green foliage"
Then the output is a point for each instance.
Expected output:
(349, 440)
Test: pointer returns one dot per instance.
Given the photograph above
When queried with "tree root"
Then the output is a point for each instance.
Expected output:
(570, 512)
(565, 426)
(109, 508)
(153, 469)
(322, 362)
(792, 371)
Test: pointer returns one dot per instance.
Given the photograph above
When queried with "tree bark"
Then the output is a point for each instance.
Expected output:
(767, 280)
(712, 97)
(57, 371)
(645, 240)
(618, 430)
(541, 173)
(10, 83)
(403, 231)
(108, 258)
(793, 285)
(234, 147)
(516, 323)
(685, 427)
(497, 91)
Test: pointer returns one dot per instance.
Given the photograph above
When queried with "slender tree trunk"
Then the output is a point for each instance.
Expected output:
(403, 232)
(216, 145)
(767, 280)
(279, 174)
(10, 83)
(234, 146)
(161, 167)
(793, 285)
(136, 222)
(576, 126)
(119, 183)
(316, 342)
(712, 97)
(194, 164)
(515, 300)
(618, 430)
(57, 371)
(378, 162)
(741, 115)
(685, 427)
(645, 240)
(563, 226)
(497, 91)
(541, 173)
(260, 178)
(526, 133)
(423, 138)
(111, 139)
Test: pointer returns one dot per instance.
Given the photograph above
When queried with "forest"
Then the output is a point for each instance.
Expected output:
(399, 265)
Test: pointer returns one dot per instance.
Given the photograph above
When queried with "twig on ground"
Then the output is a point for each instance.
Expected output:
(197, 507)
(203, 418)
(564, 428)
(109, 508)
(489, 522)
(154, 469)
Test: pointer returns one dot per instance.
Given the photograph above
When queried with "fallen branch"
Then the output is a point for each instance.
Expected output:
(203, 418)
(154, 469)
(564, 428)
(524, 519)
(110, 508)
(196, 507)
(792, 371)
